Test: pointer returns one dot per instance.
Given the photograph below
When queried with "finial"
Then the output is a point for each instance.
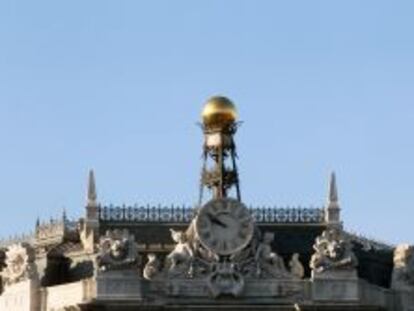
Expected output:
(332, 210)
(91, 189)
(219, 111)
(64, 216)
(333, 190)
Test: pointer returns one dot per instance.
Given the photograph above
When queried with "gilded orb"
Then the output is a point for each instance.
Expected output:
(219, 111)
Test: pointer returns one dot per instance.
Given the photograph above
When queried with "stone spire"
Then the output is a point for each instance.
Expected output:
(92, 205)
(64, 215)
(332, 209)
(91, 200)
(90, 229)
(333, 190)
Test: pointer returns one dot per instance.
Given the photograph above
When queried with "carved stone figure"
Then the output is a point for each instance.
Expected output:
(152, 268)
(332, 253)
(268, 263)
(403, 273)
(118, 250)
(19, 264)
(296, 267)
(180, 258)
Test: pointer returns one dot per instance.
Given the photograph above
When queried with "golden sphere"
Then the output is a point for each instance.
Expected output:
(219, 111)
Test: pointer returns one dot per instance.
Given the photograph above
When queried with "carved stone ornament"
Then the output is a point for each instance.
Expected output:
(118, 250)
(403, 273)
(332, 253)
(190, 259)
(225, 280)
(224, 273)
(19, 264)
(296, 267)
(268, 263)
(180, 259)
(152, 267)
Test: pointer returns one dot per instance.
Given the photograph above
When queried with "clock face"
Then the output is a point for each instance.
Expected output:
(224, 226)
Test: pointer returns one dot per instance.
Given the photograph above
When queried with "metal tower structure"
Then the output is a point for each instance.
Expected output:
(219, 172)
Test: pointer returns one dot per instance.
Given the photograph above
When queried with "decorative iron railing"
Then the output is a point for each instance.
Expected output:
(183, 214)
(288, 215)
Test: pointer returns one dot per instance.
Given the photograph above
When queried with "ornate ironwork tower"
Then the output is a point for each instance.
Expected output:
(219, 173)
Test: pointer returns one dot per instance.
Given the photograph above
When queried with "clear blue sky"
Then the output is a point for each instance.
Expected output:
(118, 86)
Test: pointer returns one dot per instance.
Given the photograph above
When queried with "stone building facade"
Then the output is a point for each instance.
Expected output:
(217, 255)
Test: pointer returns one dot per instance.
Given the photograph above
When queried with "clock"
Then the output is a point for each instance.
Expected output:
(224, 226)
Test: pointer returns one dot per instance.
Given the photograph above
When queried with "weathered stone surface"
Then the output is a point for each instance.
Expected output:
(119, 285)
(66, 296)
(335, 290)
(275, 288)
(22, 296)
(188, 288)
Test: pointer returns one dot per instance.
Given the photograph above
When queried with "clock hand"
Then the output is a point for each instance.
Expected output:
(216, 221)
